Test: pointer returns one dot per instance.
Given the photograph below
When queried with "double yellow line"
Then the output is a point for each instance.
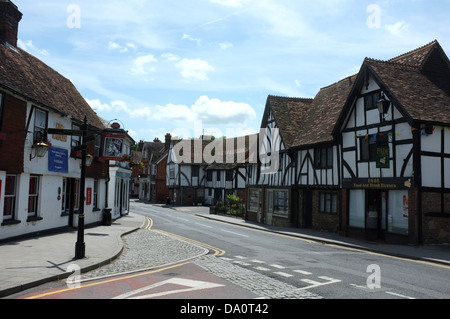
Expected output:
(217, 252)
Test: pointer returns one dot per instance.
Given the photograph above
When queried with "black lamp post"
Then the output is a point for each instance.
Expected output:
(80, 246)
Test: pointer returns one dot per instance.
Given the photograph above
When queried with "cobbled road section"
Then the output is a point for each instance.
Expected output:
(148, 249)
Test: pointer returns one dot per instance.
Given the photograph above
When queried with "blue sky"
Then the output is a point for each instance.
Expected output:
(161, 66)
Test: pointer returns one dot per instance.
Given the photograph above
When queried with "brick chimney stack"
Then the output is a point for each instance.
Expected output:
(168, 141)
(10, 17)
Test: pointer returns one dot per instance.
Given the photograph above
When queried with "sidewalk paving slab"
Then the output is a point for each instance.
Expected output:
(31, 262)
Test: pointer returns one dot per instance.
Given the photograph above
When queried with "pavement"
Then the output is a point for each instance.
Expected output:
(28, 263)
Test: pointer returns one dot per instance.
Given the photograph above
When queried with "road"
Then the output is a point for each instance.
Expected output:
(328, 271)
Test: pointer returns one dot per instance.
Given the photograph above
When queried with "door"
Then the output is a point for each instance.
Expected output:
(307, 209)
(269, 211)
(376, 214)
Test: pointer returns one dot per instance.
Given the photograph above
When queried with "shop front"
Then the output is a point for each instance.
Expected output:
(379, 209)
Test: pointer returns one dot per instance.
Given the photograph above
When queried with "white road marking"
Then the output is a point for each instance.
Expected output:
(283, 274)
(258, 262)
(302, 272)
(398, 295)
(227, 231)
(278, 266)
(262, 268)
(193, 285)
(204, 225)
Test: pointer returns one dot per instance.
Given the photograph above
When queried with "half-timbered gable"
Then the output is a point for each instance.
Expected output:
(394, 159)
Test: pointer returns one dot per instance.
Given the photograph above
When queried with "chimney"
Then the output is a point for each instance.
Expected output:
(168, 141)
(10, 17)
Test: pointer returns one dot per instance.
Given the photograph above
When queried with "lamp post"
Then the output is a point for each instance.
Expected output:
(383, 105)
(80, 246)
(86, 160)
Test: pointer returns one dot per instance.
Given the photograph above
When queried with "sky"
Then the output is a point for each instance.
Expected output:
(207, 66)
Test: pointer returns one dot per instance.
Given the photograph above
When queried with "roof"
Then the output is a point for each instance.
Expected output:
(413, 91)
(289, 113)
(25, 75)
(418, 82)
(310, 121)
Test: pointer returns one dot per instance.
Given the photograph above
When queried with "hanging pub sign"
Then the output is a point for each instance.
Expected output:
(114, 144)
(383, 157)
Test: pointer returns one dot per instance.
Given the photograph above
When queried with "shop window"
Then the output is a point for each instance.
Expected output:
(280, 202)
(328, 203)
(254, 200)
(9, 205)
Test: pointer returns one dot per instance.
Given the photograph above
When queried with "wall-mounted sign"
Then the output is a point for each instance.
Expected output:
(383, 157)
(58, 160)
(89, 196)
(62, 138)
(378, 183)
(114, 144)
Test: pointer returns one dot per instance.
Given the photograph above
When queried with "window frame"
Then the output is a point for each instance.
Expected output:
(324, 157)
(368, 146)
(33, 198)
(328, 203)
(38, 128)
(13, 198)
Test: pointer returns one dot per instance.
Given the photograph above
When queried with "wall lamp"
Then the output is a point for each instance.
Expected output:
(40, 150)
(383, 104)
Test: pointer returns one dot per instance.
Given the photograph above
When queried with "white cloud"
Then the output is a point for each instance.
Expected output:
(113, 46)
(194, 69)
(191, 38)
(143, 64)
(225, 45)
(31, 48)
(229, 3)
(98, 106)
(209, 111)
(398, 28)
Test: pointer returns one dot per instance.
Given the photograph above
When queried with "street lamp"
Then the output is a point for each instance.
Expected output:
(40, 150)
(80, 246)
(383, 104)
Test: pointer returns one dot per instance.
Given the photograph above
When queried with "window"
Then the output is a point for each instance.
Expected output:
(218, 176)
(328, 203)
(33, 196)
(40, 126)
(195, 171)
(95, 195)
(98, 146)
(154, 170)
(370, 100)
(323, 157)
(63, 195)
(209, 176)
(229, 176)
(9, 205)
(368, 146)
(76, 140)
(280, 202)
(1, 109)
